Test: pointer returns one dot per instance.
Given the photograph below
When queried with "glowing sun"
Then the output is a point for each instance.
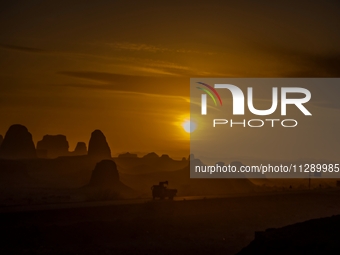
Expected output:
(189, 126)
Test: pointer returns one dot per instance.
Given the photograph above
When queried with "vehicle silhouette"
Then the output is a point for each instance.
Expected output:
(161, 191)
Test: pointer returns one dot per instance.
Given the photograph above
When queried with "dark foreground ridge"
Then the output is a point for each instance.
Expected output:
(319, 236)
(207, 226)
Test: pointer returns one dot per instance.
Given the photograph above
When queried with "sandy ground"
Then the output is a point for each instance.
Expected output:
(208, 226)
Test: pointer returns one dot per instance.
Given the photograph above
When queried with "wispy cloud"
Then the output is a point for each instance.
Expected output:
(21, 48)
(151, 48)
(156, 67)
(170, 86)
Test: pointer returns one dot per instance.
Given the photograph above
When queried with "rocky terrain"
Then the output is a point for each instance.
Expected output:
(317, 236)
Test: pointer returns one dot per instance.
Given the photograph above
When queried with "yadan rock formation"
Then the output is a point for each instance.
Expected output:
(17, 144)
(151, 155)
(80, 149)
(98, 146)
(127, 155)
(165, 156)
(105, 184)
(54, 146)
(105, 174)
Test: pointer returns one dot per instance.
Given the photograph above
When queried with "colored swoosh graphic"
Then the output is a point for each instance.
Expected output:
(209, 93)
(213, 90)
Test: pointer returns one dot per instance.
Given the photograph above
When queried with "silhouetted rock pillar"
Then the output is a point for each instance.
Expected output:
(105, 174)
(1, 139)
(17, 144)
(98, 146)
(80, 149)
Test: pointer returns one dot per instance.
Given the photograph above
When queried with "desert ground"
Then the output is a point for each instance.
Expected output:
(203, 226)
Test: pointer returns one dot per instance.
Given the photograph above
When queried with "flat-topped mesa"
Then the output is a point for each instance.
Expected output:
(80, 149)
(105, 174)
(54, 146)
(17, 144)
(98, 146)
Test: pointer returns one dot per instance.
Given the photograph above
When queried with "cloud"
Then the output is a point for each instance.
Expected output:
(21, 48)
(138, 47)
(303, 63)
(169, 85)
(317, 65)
(151, 48)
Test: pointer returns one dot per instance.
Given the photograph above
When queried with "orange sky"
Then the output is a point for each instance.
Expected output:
(124, 68)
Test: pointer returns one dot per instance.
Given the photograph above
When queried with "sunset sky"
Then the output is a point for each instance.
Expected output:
(124, 67)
